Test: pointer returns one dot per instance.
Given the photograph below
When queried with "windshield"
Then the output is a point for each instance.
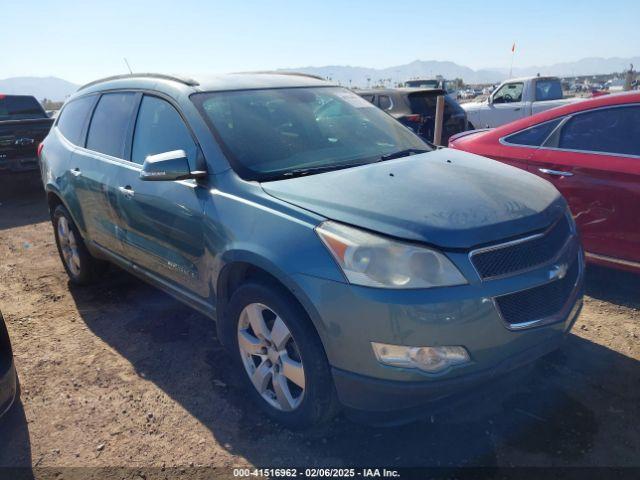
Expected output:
(423, 83)
(274, 133)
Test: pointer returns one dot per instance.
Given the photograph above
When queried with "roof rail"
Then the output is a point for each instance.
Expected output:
(186, 81)
(284, 72)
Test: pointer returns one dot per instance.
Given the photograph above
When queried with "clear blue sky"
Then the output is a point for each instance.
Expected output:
(80, 41)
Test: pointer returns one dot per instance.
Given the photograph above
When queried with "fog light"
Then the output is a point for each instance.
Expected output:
(428, 359)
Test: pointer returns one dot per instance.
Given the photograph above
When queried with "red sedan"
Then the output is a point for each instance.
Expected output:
(590, 150)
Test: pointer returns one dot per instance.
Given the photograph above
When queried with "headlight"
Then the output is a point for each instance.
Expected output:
(375, 261)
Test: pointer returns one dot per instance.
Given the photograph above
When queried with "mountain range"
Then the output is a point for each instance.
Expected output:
(56, 89)
(361, 76)
(52, 88)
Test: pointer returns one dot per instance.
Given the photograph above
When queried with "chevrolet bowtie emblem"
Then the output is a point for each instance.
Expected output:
(558, 272)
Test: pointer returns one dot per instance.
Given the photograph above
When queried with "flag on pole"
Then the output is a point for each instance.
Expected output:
(513, 54)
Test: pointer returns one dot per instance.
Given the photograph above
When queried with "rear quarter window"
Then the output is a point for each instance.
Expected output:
(73, 117)
(608, 130)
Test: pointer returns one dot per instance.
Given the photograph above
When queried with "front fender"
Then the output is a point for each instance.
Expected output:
(232, 257)
(479, 117)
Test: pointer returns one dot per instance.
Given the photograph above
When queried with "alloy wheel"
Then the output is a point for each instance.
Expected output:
(271, 357)
(68, 246)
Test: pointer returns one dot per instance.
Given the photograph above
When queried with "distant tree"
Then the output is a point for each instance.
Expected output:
(50, 104)
(458, 83)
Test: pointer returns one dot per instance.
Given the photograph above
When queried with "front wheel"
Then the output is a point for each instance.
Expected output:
(279, 356)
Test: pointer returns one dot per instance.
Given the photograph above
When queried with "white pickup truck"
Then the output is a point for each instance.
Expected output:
(516, 98)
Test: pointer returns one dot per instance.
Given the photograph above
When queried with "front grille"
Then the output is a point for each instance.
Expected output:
(538, 302)
(523, 255)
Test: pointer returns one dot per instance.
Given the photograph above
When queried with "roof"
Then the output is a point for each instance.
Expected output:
(246, 81)
(133, 76)
(373, 91)
(533, 77)
(229, 81)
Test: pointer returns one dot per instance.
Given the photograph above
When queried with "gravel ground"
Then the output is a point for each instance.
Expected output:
(120, 374)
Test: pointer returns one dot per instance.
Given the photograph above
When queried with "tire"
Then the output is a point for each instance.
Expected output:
(314, 404)
(81, 267)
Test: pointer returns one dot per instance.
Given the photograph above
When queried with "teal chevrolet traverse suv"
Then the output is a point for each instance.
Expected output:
(347, 263)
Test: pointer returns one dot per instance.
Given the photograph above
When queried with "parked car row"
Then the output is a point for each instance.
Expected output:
(347, 263)
(511, 100)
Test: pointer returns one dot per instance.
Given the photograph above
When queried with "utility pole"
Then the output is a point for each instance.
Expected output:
(437, 128)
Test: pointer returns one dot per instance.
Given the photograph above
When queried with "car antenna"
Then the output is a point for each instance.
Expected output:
(127, 64)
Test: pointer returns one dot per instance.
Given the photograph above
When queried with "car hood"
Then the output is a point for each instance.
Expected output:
(470, 106)
(447, 198)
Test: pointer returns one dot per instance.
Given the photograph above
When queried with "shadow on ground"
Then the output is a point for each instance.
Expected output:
(550, 418)
(23, 194)
(614, 286)
(15, 446)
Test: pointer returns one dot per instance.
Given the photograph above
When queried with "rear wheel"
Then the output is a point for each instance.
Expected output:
(81, 267)
(279, 356)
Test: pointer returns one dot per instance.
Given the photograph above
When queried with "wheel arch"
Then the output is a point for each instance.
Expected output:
(241, 267)
(55, 198)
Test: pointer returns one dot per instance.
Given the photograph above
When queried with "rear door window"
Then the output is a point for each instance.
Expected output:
(159, 129)
(608, 130)
(73, 118)
(368, 98)
(110, 123)
(534, 136)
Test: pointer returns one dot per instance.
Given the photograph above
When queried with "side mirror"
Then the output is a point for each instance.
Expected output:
(168, 166)
(490, 99)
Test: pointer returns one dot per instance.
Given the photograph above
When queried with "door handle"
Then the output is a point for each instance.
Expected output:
(517, 109)
(557, 173)
(126, 191)
(75, 172)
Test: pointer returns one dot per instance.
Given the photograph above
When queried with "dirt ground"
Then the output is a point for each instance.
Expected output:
(121, 374)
